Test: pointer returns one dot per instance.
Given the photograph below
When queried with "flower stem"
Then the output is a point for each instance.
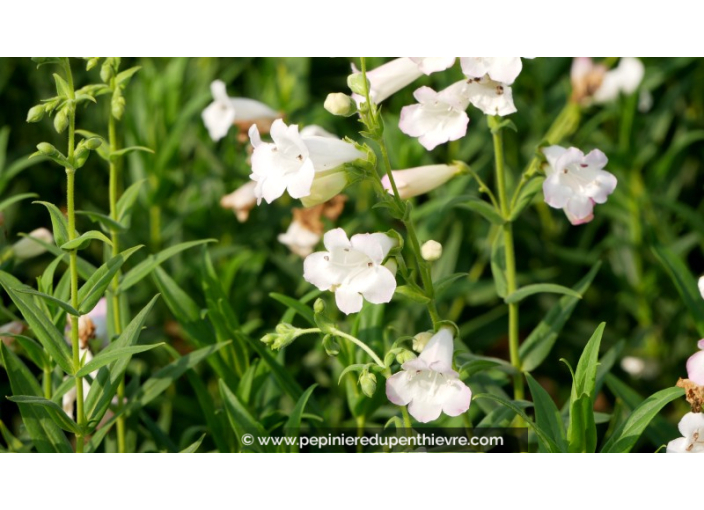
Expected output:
(510, 255)
(73, 257)
(115, 238)
(358, 343)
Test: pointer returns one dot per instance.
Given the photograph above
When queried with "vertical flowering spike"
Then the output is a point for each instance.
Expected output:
(419, 180)
(695, 365)
(352, 269)
(691, 427)
(439, 117)
(576, 182)
(428, 385)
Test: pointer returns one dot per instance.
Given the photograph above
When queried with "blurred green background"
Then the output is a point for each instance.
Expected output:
(654, 140)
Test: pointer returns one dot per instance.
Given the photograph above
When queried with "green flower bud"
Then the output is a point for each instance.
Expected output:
(47, 149)
(36, 113)
(269, 338)
(421, 340)
(332, 348)
(341, 104)
(356, 83)
(368, 383)
(117, 107)
(319, 306)
(106, 71)
(404, 355)
(61, 120)
(325, 186)
(92, 62)
(92, 143)
(389, 358)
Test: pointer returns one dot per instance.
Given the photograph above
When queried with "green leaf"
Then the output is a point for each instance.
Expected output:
(525, 197)
(482, 363)
(56, 413)
(118, 154)
(498, 265)
(194, 447)
(16, 198)
(104, 386)
(45, 434)
(109, 355)
(160, 381)
(539, 343)
(541, 433)
(302, 309)
(685, 283)
(581, 433)
(83, 240)
(33, 350)
(241, 419)
(293, 424)
(85, 268)
(90, 292)
(537, 288)
(123, 78)
(547, 416)
(142, 269)
(45, 331)
(356, 367)
(62, 88)
(51, 299)
(477, 205)
(413, 294)
(105, 221)
(126, 203)
(58, 223)
(625, 437)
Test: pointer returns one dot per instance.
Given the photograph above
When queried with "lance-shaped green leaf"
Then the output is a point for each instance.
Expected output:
(525, 197)
(498, 265)
(412, 293)
(581, 434)
(109, 355)
(46, 435)
(547, 416)
(56, 413)
(51, 299)
(136, 148)
(537, 346)
(302, 309)
(293, 424)
(104, 386)
(83, 240)
(91, 291)
(685, 284)
(105, 221)
(16, 198)
(126, 203)
(145, 267)
(123, 78)
(85, 268)
(45, 331)
(241, 420)
(538, 288)
(58, 223)
(32, 350)
(193, 447)
(625, 437)
(479, 206)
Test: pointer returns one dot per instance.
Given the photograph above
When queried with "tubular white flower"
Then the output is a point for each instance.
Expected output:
(430, 65)
(502, 69)
(576, 182)
(439, 117)
(695, 365)
(389, 78)
(428, 385)
(241, 201)
(491, 97)
(352, 269)
(299, 239)
(27, 248)
(691, 427)
(219, 115)
(418, 180)
(624, 79)
(291, 161)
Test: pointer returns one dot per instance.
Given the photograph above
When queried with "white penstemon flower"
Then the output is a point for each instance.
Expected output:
(695, 365)
(490, 96)
(241, 201)
(430, 65)
(352, 269)
(422, 179)
(299, 239)
(438, 117)
(428, 385)
(291, 162)
(500, 69)
(389, 78)
(219, 115)
(692, 429)
(576, 182)
(624, 79)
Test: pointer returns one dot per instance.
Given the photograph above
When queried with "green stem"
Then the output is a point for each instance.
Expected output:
(358, 343)
(115, 238)
(47, 383)
(73, 258)
(509, 251)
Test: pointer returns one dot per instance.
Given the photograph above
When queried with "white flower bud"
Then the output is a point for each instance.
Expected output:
(341, 104)
(421, 340)
(431, 250)
(27, 248)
